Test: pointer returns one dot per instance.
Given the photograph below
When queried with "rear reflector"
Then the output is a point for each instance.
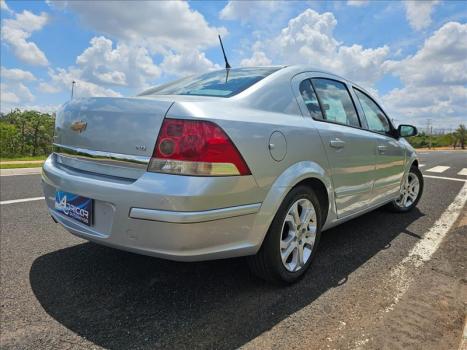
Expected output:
(194, 147)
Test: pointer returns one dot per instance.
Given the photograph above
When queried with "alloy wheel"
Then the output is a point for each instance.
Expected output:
(298, 235)
(409, 191)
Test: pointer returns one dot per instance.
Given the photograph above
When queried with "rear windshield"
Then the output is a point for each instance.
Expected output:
(221, 83)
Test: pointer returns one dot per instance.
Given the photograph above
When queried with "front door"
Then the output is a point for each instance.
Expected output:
(390, 158)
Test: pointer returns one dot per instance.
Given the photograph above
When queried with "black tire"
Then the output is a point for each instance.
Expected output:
(394, 207)
(267, 263)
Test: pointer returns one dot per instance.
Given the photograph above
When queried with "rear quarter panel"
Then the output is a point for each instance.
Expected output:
(250, 130)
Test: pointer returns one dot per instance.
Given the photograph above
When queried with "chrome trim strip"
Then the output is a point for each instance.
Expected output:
(101, 157)
(186, 217)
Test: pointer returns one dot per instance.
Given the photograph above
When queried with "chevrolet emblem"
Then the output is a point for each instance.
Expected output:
(79, 125)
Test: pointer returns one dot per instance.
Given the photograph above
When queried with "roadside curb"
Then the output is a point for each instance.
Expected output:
(20, 171)
(22, 162)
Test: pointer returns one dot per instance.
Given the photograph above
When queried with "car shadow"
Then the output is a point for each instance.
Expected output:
(120, 300)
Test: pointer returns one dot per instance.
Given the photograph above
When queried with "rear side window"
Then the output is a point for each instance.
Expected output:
(310, 99)
(336, 102)
(221, 83)
(375, 117)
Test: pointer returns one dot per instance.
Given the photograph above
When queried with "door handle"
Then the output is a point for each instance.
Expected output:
(337, 143)
(382, 149)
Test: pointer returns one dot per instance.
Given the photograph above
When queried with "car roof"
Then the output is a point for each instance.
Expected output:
(298, 68)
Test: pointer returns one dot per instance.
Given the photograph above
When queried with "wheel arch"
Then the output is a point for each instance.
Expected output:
(302, 173)
(320, 189)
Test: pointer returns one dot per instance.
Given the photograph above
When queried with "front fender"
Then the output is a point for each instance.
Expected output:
(282, 185)
(411, 157)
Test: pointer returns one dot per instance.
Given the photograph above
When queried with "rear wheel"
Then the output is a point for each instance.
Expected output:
(411, 192)
(291, 242)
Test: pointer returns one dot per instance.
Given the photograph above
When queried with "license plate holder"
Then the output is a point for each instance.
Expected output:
(76, 207)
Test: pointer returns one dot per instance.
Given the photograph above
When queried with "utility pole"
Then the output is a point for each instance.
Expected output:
(72, 88)
(430, 129)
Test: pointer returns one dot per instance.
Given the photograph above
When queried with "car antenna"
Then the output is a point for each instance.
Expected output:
(227, 65)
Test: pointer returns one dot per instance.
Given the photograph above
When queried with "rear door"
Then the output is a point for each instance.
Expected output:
(349, 149)
(390, 158)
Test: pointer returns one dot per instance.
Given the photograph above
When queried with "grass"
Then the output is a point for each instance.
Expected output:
(8, 159)
(20, 165)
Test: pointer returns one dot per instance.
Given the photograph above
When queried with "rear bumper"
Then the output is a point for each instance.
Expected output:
(169, 216)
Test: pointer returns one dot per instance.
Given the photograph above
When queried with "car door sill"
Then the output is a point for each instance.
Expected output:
(341, 220)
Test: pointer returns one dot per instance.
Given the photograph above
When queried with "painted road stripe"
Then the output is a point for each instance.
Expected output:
(421, 165)
(438, 169)
(426, 247)
(13, 201)
(463, 172)
(444, 178)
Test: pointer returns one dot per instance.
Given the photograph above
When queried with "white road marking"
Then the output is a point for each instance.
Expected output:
(421, 165)
(463, 172)
(438, 169)
(13, 201)
(20, 171)
(444, 178)
(426, 247)
(421, 253)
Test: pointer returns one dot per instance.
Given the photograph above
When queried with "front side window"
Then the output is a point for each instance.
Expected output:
(336, 102)
(375, 117)
(310, 99)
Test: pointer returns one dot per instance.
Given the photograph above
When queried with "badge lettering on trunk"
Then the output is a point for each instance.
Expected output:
(79, 125)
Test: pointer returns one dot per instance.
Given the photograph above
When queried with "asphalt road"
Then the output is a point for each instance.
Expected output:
(58, 291)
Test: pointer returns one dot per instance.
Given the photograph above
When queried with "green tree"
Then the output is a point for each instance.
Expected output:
(461, 135)
(34, 133)
(9, 140)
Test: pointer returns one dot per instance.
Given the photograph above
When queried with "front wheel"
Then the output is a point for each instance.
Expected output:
(411, 192)
(291, 242)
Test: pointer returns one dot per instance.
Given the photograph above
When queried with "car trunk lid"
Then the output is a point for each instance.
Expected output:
(109, 135)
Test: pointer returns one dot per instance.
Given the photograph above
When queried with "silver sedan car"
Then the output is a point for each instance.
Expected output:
(250, 162)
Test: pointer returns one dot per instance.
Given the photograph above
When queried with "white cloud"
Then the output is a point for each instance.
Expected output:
(6, 108)
(15, 33)
(440, 61)
(435, 79)
(4, 6)
(48, 88)
(7, 96)
(357, 3)
(309, 39)
(158, 25)
(445, 107)
(259, 58)
(124, 65)
(418, 13)
(139, 30)
(16, 74)
(101, 66)
(63, 78)
(15, 92)
(187, 63)
(250, 11)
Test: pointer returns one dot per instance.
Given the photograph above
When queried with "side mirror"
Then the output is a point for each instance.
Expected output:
(407, 130)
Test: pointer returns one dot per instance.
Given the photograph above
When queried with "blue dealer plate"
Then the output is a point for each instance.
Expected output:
(74, 206)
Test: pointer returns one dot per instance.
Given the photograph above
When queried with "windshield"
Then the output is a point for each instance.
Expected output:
(221, 83)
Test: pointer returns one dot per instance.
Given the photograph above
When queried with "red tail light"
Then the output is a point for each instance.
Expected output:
(193, 147)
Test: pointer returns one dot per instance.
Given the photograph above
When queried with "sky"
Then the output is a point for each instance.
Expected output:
(411, 55)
